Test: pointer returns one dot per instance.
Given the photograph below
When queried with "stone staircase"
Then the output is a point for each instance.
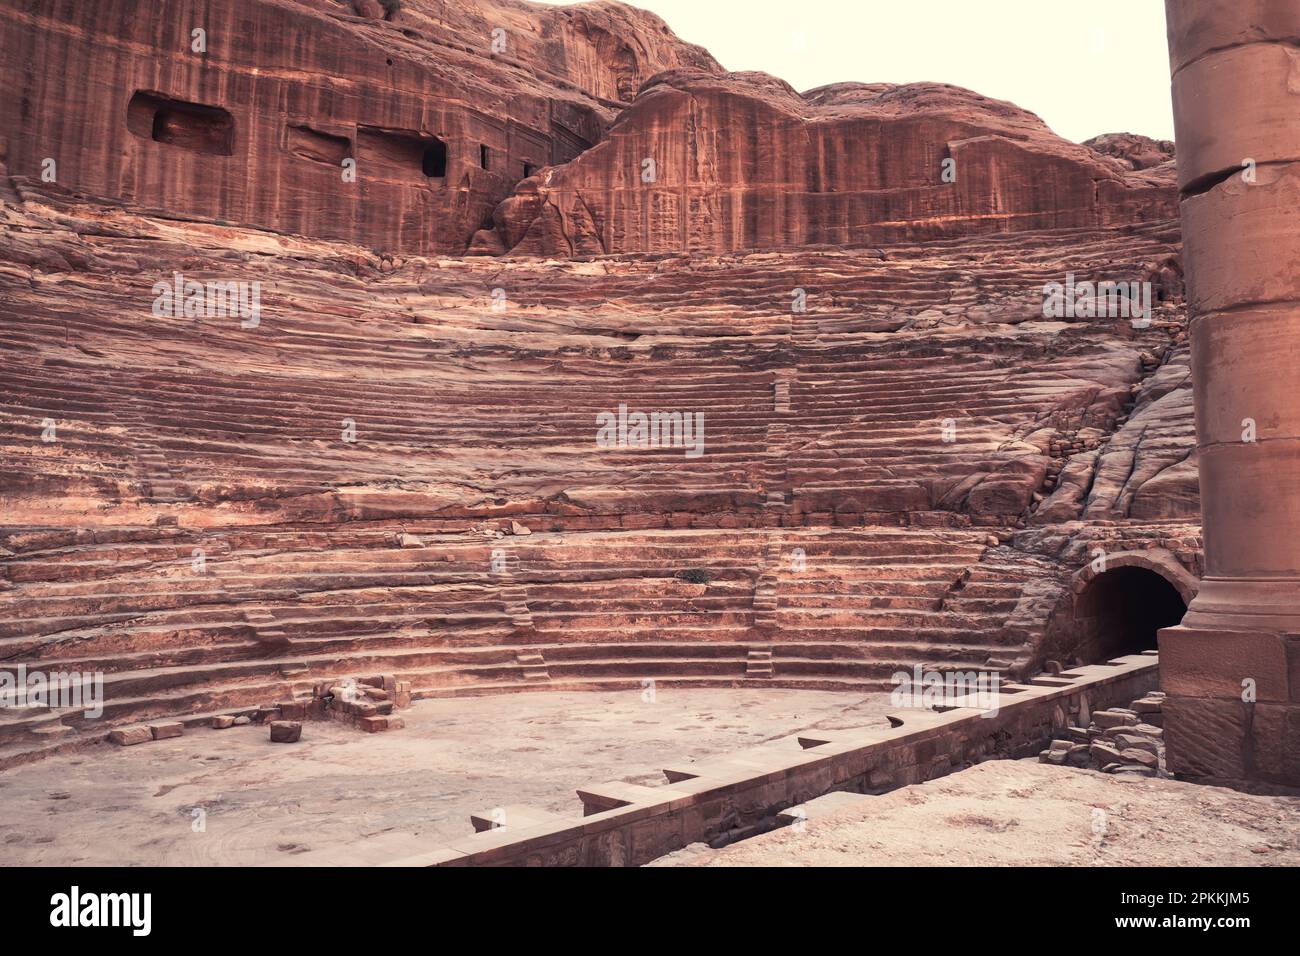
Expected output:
(605, 609)
(533, 666)
(758, 665)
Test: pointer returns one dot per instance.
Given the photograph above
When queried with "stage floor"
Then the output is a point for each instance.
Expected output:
(264, 803)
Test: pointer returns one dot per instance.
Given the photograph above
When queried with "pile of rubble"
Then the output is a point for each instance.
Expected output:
(1119, 740)
(366, 703)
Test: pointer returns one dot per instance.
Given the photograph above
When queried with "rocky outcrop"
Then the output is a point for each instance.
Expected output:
(441, 109)
(706, 163)
(1134, 151)
(1146, 469)
(408, 132)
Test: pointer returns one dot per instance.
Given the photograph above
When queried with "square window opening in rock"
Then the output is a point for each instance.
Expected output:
(193, 126)
(400, 154)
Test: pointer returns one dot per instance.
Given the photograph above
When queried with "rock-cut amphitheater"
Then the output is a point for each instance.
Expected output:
(449, 260)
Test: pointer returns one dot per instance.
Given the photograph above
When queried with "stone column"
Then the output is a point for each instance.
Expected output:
(1232, 668)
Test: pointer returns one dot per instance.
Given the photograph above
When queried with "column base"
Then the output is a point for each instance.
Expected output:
(1246, 604)
(1232, 710)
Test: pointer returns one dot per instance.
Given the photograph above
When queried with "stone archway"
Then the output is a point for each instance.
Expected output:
(1120, 609)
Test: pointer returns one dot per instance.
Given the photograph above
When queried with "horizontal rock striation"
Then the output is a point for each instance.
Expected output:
(205, 528)
(866, 445)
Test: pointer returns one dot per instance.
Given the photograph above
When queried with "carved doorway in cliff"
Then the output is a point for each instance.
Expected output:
(433, 161)
(1120, 611)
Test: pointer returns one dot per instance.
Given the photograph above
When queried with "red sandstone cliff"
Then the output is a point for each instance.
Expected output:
(708, 163)
(604, 48)
(254, 128)
(446, 107)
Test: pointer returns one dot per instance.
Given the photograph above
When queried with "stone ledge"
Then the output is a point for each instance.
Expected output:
(705, 800)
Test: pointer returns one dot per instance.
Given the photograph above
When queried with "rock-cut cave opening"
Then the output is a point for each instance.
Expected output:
(1121, 611)
(396, 154)
(434, 160)
(193, 126)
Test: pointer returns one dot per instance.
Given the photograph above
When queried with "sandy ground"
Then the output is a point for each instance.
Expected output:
(1024, 813)
(262, 802)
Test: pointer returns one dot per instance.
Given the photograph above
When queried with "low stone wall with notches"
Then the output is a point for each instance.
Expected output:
(628, 824)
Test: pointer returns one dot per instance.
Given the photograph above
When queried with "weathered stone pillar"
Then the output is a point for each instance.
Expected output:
(1232, 668)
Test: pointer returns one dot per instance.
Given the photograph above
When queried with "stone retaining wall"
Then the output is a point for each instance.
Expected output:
(629, 825)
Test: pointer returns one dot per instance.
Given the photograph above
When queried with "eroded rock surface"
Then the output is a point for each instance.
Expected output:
(1136, 152)
(708, 163)
(442, 109)
(390, 472)
(399, 466)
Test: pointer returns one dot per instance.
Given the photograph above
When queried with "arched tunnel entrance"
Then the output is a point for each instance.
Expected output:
(1120, 611)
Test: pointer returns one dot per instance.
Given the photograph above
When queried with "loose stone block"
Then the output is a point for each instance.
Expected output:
(169, 729)
(1078, 755)
(377, 723)
(1134, 742)
(223, 721)
(285, 731)
(1103, 754)
(1142, 757)
(130, 736)
(1113, 718)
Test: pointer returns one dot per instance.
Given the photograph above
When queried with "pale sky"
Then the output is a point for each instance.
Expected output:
(1085, 66)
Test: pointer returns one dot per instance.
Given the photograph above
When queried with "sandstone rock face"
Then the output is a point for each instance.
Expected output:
(1135, 152)
(403, 464)
(370, 9)
(1146, 469)
(242, 125)
(203, 522)
(708, 163)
